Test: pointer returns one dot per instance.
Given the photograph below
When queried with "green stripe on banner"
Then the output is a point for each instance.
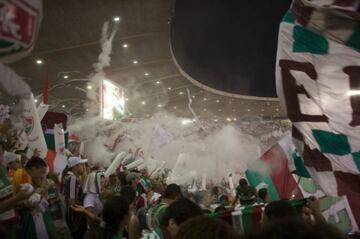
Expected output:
(299, 165)
(354, 40)
(28, 224)
(332, 143)
(343, 222)
(308, 185)
(251, 218)
(216, 214)
(48, 222)
(247, 218)
(297, 203)
(50, 140)
(4, 44)
(356, 158)
(307, 41)
(256, 179)
(289, 17)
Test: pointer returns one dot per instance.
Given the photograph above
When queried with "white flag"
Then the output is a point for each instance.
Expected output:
(59, 138)
(159, 137)
(60, 163)
(32, 127)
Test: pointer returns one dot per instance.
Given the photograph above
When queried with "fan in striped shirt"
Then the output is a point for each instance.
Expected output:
(176, 214)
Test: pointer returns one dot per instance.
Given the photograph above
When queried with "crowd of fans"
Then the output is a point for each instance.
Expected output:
(83, 203)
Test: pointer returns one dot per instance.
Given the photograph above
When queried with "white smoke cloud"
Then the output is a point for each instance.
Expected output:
(216, 154)
(104, 59)
(190, 152)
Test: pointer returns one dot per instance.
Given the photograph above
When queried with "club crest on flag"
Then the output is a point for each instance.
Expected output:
(28, 122)
(19, 26)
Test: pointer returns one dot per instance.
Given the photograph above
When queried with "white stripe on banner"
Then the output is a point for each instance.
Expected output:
(40, 225)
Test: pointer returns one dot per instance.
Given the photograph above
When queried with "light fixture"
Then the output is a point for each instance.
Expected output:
(228, 119)
(116, 19)
(262, 110)
(187, 121)
(35, 100)
(249, 110)
(277, 109)
(219, 110)
(66, 76)
(353, 92)
(181, 93)
(158, 82)
(205, 99)
(135, 62)
(39, 62)
(234, 119)
(215, 120)
(193, 96)
(89, 87)
(217, 101)
(143, 102)
(87, 109)
(205, 109)
(146, 74)
(175, 107)
(126, 99)
(169, 88)
(125, 45)
(159, 105)
(63, 106)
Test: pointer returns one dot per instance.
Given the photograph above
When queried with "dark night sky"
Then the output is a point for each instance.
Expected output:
(229, 45)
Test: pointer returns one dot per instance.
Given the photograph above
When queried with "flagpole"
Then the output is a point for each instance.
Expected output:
(46, 85)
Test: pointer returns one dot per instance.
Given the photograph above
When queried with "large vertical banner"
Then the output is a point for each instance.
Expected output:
(54, 128)
(318, 83)
(48, 123)
(276, 174)
(112, 102)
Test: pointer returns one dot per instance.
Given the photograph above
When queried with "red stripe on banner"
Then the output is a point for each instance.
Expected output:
(46, 86)
(256, 217)
(50, 158)
(349, 185)
(277, 162)
(315, 159)
(52, 118)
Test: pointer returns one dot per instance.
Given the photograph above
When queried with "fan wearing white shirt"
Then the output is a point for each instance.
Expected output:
(92, 190)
